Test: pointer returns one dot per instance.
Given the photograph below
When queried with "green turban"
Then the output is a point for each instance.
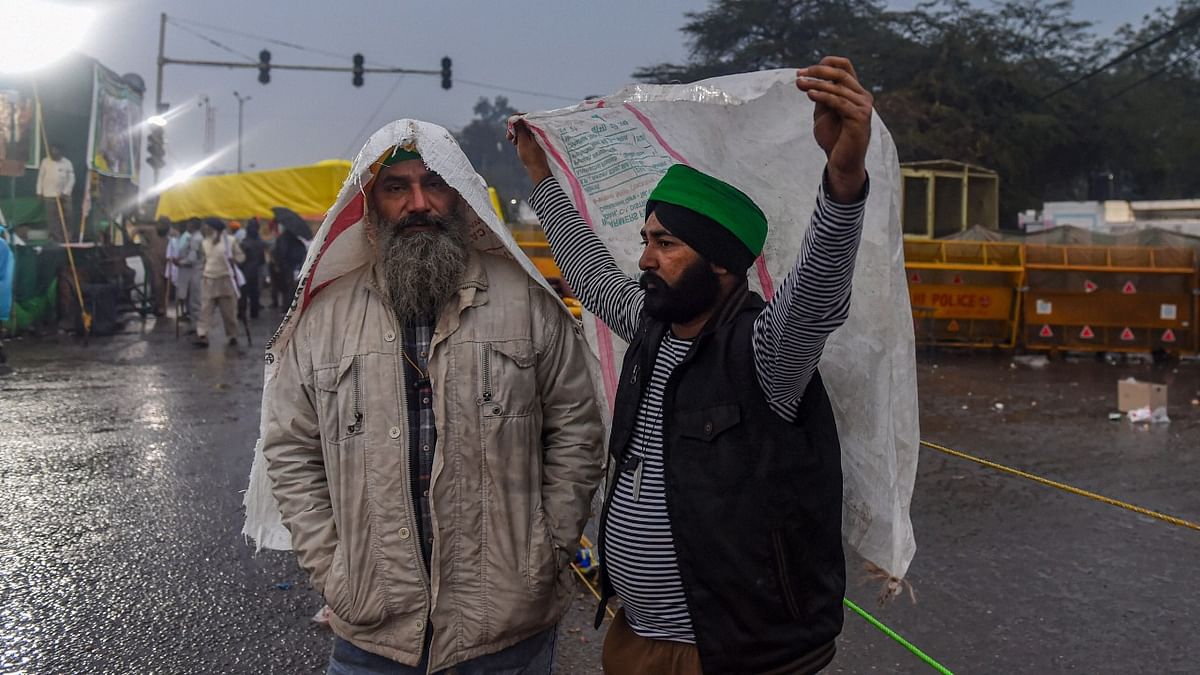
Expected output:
(398, 155)
(716, 219)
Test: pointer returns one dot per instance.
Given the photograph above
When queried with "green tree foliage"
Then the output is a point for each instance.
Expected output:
(988, 85)
(483, 142)
(734, 36)
(1147, 105)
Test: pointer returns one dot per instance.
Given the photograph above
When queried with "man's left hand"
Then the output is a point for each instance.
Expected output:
(841, 122)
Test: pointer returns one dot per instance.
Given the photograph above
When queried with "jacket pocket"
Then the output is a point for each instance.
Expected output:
(706, 424)
(335, 592)
(342, 401)
(351, 591)
(507, 379)
(541, 565)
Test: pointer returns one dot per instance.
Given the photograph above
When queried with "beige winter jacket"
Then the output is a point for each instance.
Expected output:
(518, 458)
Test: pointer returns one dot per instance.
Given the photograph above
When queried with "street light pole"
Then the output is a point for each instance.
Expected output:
(241, 101)
(210, 123)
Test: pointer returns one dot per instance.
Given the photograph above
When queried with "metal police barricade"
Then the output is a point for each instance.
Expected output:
(1110, 299)
(533, 243)
(965, 293)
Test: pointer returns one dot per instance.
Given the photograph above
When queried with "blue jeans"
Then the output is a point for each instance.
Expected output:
(534, 656)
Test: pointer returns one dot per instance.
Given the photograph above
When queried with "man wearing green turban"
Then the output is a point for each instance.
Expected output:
(721, 533)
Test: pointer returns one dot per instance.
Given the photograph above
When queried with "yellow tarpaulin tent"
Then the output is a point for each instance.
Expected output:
(307, 190)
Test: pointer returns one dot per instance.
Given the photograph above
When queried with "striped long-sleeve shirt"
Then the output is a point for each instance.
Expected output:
(789, 336)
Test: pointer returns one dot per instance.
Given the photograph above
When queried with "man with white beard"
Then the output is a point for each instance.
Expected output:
(433, 443)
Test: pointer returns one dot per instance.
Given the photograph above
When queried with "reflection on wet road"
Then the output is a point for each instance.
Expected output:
(122, 466)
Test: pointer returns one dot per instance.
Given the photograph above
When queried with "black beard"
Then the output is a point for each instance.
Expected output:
(695, 291)
(422, 270)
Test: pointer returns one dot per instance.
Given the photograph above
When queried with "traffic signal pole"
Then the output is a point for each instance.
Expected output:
(264, 67)
(280, 66)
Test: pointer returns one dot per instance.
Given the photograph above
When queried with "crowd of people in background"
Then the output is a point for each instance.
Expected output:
(194, 270)
(209, 266)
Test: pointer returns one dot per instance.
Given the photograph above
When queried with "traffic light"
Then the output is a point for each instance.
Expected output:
(445, 72)
(264, 66)
(358, 70)
(156, 147)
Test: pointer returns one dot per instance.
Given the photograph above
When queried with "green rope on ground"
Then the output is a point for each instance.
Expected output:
(892, 634)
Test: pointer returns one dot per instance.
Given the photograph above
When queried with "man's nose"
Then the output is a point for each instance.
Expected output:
(647, 261)
(420, 201)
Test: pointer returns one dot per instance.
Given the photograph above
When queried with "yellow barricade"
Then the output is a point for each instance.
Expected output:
(965, 293)
(1110, 298)
(533, 243)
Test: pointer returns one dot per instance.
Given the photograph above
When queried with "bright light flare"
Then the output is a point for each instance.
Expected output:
(185, 174)
(164, 118)
(38, 33)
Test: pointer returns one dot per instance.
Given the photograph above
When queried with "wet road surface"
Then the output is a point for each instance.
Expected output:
(122, 465)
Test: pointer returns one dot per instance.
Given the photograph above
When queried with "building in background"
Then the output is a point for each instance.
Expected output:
(1116, 216)
(95, 116)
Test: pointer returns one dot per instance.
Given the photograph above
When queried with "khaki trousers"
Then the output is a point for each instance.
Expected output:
(216, 293)
(627, 653)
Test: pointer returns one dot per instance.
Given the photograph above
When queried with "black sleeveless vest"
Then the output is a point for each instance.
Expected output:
(755, 501)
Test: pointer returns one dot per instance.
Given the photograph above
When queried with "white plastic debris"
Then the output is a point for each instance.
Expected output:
(1145, 414)
(1035, 361)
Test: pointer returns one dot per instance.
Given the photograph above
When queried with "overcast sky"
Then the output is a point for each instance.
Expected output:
(562, 50)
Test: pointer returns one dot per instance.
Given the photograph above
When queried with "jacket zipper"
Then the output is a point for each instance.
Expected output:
(485, 366)
(408, 489)
(412, 498)
(358, 416)
(610, 489)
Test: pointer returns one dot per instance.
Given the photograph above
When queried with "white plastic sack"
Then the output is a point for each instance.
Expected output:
(1145, 414)
(755, 131)
(341, 246)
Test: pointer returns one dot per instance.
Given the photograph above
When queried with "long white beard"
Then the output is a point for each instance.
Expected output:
(422, 270)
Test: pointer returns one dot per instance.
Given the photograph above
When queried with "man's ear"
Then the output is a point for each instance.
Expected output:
(717, 269)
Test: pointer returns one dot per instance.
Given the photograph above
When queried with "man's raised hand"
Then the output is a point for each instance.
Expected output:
(841, 122)
(529, 152)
